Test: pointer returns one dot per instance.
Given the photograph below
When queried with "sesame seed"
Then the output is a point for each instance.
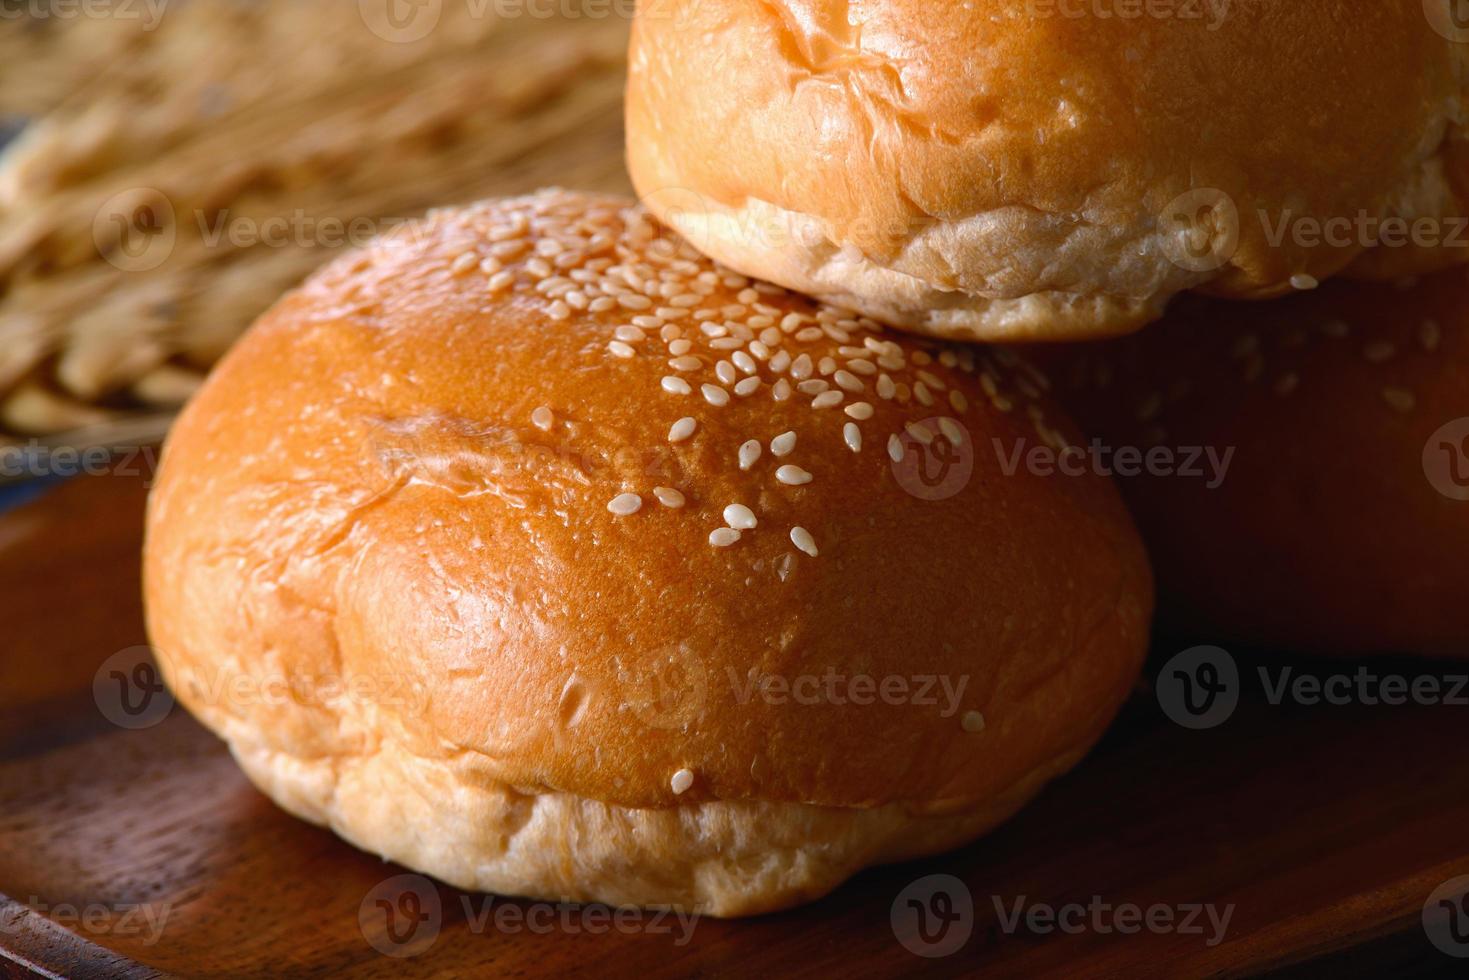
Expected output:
(715, 395)
(848, 380)
(853, 436)
(885, 388)
(464, 263)
(558, 311)
(924, 396)
(781, 390)
(827, 399)
(1287, 383)
(827, 366)
(501, 281)
(1302, 280)
(932, 380)
(749, 453)
(681, 781)
(726, 343)
(669, 497)
(675, 386)
(744, 361)
(685, 363)
(624, 504)
(801, 367)
(725, 372)
(630, 301)
(813, 386)
(895, 449)
(952, 431)
(780, 361)
(618, 349)
(783, 444)
(801, 538)
(1335, 329)
(972, 722)
(678, 347)
(861, 411)
(629, 334)
(862, 366)
(682, 429)
(739, 517)
(958, 402)
(792, 475)
(723, 537)
(747, 387)
(760, 349)
(542, 418)
(1400, 399)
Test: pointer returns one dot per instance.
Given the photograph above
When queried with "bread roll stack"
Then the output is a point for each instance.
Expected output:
(597, 560)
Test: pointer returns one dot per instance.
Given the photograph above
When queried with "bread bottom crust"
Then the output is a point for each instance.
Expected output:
(719, 858)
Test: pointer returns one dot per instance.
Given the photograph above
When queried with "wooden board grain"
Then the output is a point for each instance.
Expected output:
(1326, 829)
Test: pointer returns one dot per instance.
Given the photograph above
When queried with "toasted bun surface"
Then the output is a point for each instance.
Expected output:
(401, 500)
(1340, 521)
(1029, 169)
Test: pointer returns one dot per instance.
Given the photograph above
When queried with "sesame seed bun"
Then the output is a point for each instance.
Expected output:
(1034, 171)
(1342, 518)
(544, 637)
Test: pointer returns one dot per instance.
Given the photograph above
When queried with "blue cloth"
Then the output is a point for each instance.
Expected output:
(20, 494)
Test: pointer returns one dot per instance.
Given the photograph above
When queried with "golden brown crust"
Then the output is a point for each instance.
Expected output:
(400, 481)
(1016, 169)
(1341, 522)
